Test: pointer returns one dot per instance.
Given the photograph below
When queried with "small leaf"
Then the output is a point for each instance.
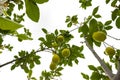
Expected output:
(32, 10)
(56, 32)
(29, 73)
(76, 61)
(40, 1)
(108, 22)
(97, 16)
(23, 37)
(95, 75)
(32, 65)
(114, 14)
(37, 61)
(91, 67)
(13, 67)
(95, 10)
(41, 39)
(6, 24)
(59, 69)
(118, 23)
(1, 39)
(85, 76)
(69, 24)
(85, 29)
(67, 19)
(74, 19)
(113, 4)
(108, 27)
(44, 30)
(107, 1)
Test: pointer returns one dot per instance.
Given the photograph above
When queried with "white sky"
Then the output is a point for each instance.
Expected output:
(53, 16)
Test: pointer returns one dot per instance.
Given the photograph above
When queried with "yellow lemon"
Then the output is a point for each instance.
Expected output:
(55, 58)
(99, 36)
(66, 52)
(53, 66)
(109, 51)
(60, 38)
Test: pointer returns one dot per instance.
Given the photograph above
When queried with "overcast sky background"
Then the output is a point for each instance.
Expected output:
(52, 16)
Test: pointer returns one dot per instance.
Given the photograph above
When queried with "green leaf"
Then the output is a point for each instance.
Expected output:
(37, 61)
(85, 76)
(59, 69)
(97, 43)
(13, 67)
(40, 1)
(25, 68)
(32, 10)
(91, 67)
(114, 14)
(44, 30)
(56, 32)
(108, 27)
(69, 24)
(23, 37)
(118, 23)
(97, 16)
(41, 39)
(107, 1)
(29, 73)
(1, 39)
(85, 29)
(93, 26)
(74, 19)
(108, 22)
(32, 65)
(95, 75)
(95, 10)
(6, 24)
(67, 19)
(113, 4)
(90, 40)
(33, 78)
(76, 61)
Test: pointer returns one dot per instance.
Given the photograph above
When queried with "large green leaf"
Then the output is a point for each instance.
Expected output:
(93, 26)
(32, 10)
(118, 22)
(40, 1)
(6, 24)
(95, 10)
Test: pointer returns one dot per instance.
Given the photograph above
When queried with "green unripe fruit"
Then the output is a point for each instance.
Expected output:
(56, 59)
(109, 51)
(60, 38)
(54, 45)
(53, 66)
(66, 52)
(99, 36)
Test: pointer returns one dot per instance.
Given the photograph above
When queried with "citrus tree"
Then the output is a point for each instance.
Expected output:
(92, 30)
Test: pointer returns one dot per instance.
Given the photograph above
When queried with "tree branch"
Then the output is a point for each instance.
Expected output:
(104, 66)
(7, 63)
(117, 76)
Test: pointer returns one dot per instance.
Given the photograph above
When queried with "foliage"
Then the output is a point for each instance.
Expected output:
(58, 41)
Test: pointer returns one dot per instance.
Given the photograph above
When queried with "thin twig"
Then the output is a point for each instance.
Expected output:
(113, 37)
